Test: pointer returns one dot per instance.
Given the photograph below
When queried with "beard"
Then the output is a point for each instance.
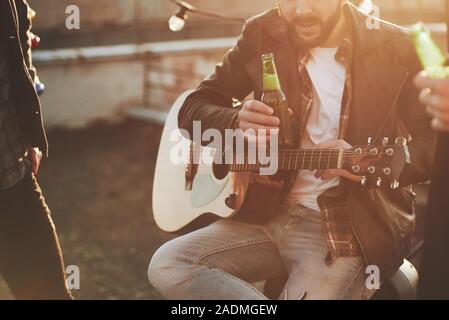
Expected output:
(301, 26)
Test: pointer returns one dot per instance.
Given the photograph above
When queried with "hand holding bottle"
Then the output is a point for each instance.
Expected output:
(256, 115)
(435, 96)
(434, 81)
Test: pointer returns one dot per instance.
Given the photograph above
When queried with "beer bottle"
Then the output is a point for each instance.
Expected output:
(431, 56)
(275, 98)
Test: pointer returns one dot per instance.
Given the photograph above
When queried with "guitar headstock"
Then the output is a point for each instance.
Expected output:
(379, 166)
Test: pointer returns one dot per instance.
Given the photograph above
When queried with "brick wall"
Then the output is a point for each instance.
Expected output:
(410, 11)
(105, 22)
(83, 89)
(104, 13)
(169, 75)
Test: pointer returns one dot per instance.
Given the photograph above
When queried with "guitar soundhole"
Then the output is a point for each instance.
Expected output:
(220, 171)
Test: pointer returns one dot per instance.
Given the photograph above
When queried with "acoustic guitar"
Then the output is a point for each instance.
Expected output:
(183, 192)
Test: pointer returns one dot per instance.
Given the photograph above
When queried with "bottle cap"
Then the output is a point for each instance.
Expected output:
(267, 56)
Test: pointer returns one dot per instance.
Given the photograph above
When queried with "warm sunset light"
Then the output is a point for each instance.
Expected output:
(204, 154)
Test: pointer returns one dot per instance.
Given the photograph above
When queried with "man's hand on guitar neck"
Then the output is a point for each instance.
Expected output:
(333, 173)
(256, 116)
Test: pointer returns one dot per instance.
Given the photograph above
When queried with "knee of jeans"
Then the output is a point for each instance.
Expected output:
(160, 262)
(164, 264)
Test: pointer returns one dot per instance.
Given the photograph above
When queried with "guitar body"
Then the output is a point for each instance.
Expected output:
(182, 193)
(174, 207)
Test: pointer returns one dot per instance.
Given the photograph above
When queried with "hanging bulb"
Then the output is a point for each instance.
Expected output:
(176, 24)
(31, 13)
(40, 87)
(35, 41)
(366, 6)
(178, 20)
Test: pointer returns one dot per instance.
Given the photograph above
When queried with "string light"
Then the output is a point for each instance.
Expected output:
(178, 20)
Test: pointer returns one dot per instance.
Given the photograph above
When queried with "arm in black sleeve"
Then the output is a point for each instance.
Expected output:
(211, 102)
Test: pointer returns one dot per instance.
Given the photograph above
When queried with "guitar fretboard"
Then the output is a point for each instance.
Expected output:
(292, 159)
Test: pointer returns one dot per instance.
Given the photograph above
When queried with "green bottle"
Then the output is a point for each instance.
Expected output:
(430, 54)
(275, 98)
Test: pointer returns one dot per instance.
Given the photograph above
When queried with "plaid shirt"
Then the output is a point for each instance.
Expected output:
(339, 234)
(13, 162)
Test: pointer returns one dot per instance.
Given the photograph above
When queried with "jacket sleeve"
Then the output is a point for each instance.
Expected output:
(25, 36)
(418, 123)
(212, 101)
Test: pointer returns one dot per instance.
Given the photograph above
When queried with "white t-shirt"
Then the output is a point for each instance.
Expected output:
(328, 79)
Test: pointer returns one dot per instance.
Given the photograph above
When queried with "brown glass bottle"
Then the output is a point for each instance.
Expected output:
(275, 98)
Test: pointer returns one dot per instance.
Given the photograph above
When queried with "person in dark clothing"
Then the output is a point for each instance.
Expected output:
(30, 255)
(435, 96)
(434, 280)
(345, 81)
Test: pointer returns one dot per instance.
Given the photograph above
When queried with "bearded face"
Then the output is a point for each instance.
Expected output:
(312, 20)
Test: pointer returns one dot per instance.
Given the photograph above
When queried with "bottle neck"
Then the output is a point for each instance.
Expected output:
(428, 51)
(270, 77)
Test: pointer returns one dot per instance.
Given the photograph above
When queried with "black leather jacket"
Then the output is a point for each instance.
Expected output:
(384, 65)
(15, 25)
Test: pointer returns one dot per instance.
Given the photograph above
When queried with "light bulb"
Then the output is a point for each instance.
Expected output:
(31, 14)
(367, 6)
(176, 23)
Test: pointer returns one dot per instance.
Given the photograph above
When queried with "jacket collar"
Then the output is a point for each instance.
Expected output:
(13, 10)
(368, 111)
(365, 39)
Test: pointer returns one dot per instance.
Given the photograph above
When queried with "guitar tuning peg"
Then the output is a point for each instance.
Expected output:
(364, 181)
(401, 141)
(385, 141)
(374, 151)
(356, 168)
(379, 182)
(372, 169)
(390, 152)
(387, 171)
(370, 141)
(394, 184)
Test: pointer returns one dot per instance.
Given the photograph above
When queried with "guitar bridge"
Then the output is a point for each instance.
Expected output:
(191, 170)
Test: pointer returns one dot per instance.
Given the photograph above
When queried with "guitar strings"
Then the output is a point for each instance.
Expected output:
(315, 156)
(354, 154)
(314, 160)
(205, 171)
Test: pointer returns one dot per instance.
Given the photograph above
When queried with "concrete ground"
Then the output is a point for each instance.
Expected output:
(98, 184)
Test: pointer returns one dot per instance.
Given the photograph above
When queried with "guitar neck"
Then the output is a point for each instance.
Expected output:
(292, 159)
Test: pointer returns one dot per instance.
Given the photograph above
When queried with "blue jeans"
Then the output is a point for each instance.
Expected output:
(222, 260)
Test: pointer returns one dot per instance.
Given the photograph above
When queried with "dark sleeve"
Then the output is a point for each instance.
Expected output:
(211, 102)
(418, 123)
(24, 33)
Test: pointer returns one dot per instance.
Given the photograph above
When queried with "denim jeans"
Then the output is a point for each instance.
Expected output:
(222, 261)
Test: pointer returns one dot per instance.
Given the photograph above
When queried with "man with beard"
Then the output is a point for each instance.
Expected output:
(30, 255)
(345, 81)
